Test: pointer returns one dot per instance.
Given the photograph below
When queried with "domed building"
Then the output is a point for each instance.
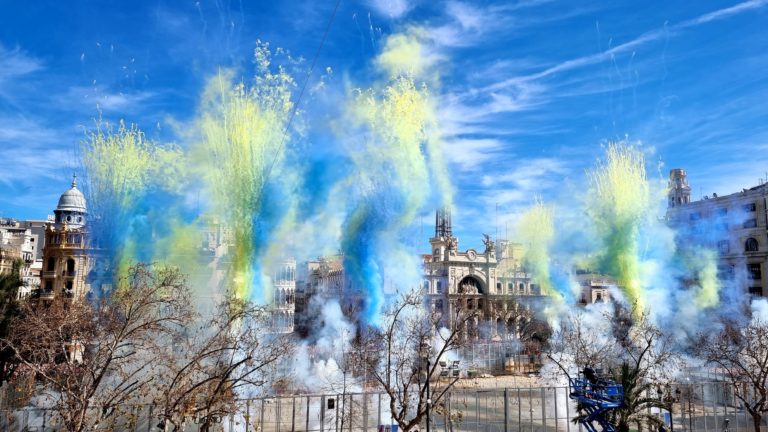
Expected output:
(65, 258)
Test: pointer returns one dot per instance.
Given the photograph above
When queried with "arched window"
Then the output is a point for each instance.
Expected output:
(751, 245)
(70, 267)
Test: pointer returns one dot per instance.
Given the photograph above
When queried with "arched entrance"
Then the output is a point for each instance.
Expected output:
(471, 285)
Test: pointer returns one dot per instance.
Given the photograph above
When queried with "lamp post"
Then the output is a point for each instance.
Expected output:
(429, 401)
(690, 412)
(344, 377)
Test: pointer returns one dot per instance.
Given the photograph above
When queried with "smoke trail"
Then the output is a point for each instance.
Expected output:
(703, 265)
(398, 173)
(126, 175)
(242, 144)
(620, 202)
(536, 230)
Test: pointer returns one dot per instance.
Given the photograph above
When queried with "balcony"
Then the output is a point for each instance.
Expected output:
(49, 274)
(69, 274)
(46, 294)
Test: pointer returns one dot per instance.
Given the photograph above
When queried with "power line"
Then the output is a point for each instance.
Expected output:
(301, 95)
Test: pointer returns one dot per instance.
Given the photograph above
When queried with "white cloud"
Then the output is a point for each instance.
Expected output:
(19, 130)
(469, 17)
(529, 174)
(650, 36)
(16, 63)
(107, 100)
(391, 8)
(468, 154)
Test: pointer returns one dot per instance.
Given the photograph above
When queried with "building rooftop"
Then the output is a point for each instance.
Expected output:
(72, 199)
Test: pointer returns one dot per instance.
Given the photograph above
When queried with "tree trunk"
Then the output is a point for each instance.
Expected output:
(757, 420)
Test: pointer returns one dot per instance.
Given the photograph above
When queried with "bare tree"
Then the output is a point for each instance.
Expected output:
(409, 345)
(228, 356)
(95, 357)
(9, 309)
(635, 352)
(741, 354)
(582, 340)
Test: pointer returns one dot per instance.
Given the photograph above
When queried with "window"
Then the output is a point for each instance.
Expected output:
(750, 223)
(426, 286)
(694, 216)
(510, 288)
(68, 285)
(70, 267)
(723, 247)
(756, 291)
(751, 245)
(51, 264)
(721, 212)
(750, 207)
(498, 287)
(754, 271)
(439, 287)
(439, 305)
(470, 304)
(521, 287)
(725, 272)
(49, 285)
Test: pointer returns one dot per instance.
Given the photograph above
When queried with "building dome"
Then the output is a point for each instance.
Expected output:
(72, 200)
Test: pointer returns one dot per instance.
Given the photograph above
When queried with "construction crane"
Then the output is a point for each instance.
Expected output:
(597, 396)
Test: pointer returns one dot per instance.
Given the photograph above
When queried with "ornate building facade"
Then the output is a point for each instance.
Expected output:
(492, 282)
(735, 226)
(284, 297)
(65, 256)
(320, 281)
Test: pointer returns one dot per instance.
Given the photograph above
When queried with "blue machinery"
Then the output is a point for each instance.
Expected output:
(597, 397)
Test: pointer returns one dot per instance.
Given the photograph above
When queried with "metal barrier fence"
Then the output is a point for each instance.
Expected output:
(499, 357)
(707, 407)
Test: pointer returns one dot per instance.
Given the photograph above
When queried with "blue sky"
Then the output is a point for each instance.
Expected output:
(529, 90)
